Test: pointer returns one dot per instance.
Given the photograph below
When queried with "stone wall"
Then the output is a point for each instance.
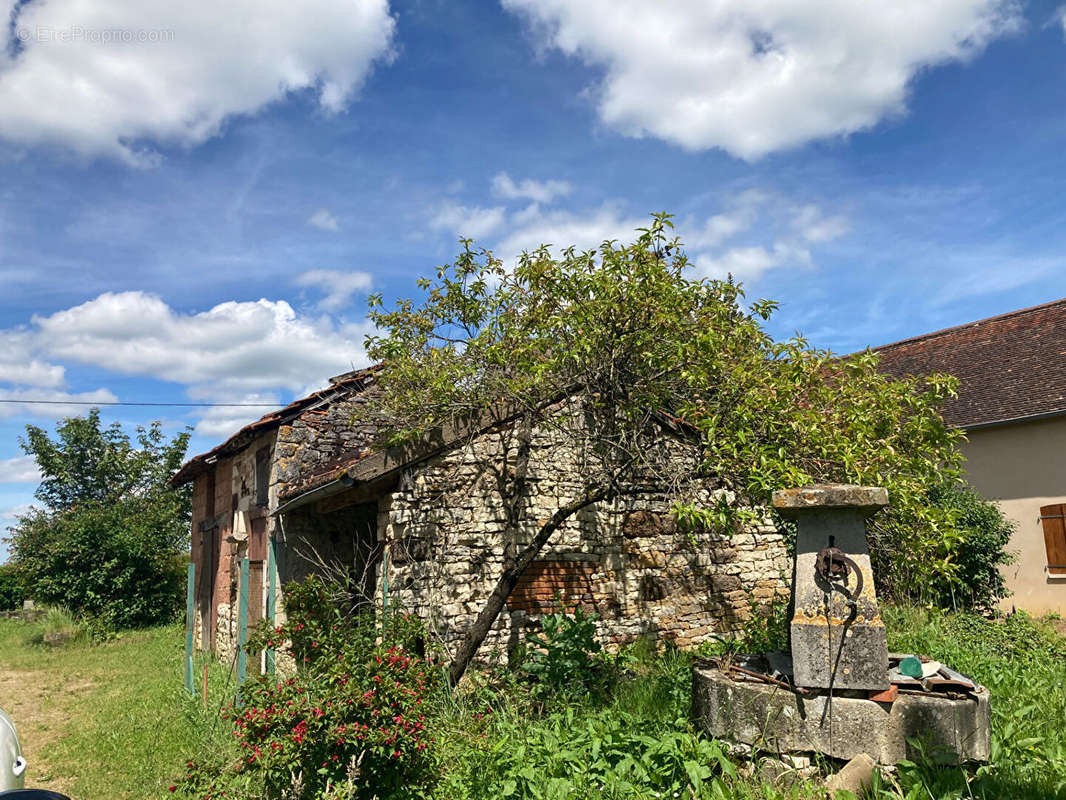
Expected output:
(320, 440)
(626, 560)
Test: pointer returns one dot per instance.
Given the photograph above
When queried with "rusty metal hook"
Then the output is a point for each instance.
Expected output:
(832, 565)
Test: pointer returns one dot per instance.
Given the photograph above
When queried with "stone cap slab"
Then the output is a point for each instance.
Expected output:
(830, 495)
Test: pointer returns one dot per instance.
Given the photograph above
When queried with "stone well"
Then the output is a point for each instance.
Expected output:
(839, 693)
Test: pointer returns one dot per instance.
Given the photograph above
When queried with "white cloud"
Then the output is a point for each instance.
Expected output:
(18, 401)
(111, 77)
(504, 186)
(337, 285)
(221, 422)
(12, 513)
(760, 76)
(468, 221)
(18, 365)
(815, 227)
(20, 469)
(752, 232)
(760, 231)
(235, 346)
(740, 262)
(323, 219)
(585, 230)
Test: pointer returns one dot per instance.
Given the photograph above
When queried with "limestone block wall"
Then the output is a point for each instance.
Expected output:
(319, 440)
(625, 560)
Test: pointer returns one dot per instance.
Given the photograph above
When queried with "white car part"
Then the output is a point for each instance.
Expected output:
(12, 764)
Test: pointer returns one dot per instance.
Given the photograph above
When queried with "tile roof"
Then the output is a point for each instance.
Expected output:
(339, 386)
(1010, 367)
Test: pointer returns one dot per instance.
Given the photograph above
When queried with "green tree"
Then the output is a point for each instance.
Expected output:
(107, 540)
(636, 347)
(11, 590)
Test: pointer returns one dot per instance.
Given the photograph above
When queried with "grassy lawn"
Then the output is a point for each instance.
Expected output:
(103, 721)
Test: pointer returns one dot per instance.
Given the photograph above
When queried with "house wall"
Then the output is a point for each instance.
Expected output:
(626, 560)
(1023, 467)
(244, 527)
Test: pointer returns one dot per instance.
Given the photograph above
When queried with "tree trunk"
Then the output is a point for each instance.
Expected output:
(509, 579)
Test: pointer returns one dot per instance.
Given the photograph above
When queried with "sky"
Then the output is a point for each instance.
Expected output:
(196, 198)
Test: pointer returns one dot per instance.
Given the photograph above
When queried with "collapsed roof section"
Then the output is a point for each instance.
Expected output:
(340, 387)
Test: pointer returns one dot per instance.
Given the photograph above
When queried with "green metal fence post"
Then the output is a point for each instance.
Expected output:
(272, 596)
(242, 628)
(189, 602)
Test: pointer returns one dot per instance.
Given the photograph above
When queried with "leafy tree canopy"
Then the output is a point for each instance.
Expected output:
(109, 536)
(87, 463)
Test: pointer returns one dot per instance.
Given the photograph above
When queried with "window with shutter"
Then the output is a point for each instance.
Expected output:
(1053, 519)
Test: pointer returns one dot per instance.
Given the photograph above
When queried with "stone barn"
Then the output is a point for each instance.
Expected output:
(303, 490)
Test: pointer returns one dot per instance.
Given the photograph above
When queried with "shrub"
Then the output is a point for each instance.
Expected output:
(107, 539)
(969, 578)
(12, 592)
(561, 659)
(107, 563)
(353, 717)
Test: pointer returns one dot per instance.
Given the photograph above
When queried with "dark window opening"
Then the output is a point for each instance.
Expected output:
(262, 477)
(209, 500)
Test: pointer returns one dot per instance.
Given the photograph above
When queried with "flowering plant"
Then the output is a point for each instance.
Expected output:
(354, 713)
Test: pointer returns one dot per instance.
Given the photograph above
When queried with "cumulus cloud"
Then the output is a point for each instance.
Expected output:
(19, 401)
(222, 421)
(114, 77)
(468, 221)
(560, 228)
(235, 346)
(20, 469)
(324, 220)
(336, 285)
(752, 78)
(12, 513)
(760, 231)
(18, 365)
(751, 232)
(504, 186)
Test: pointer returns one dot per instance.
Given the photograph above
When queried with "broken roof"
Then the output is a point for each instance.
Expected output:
(339, 386)
(1010, 368)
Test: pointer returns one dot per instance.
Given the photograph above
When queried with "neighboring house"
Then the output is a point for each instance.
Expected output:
(1012, 406)
(421, 529)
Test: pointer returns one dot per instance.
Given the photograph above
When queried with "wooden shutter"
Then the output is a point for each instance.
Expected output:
(1052, 518)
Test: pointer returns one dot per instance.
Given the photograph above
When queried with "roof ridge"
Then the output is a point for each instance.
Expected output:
(995, 318)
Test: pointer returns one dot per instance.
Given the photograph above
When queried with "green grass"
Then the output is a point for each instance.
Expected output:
(115, 722)
(107, 720)
(1023, 663)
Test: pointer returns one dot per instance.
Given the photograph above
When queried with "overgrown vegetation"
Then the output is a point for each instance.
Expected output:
(570, 720)
(12, 592)
(616, 349)
(350, 722)
(108, 538)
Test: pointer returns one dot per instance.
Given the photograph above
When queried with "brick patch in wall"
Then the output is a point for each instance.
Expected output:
(545, 583)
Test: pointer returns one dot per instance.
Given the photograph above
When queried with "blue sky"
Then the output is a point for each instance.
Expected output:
(195, 200)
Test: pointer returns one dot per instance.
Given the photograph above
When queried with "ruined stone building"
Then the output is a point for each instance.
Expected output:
(303, 488)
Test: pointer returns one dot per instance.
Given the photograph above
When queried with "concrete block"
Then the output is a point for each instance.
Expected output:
(770, 717)
(855, 777)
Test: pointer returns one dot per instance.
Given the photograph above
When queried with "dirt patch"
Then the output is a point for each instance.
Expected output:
(36, 701)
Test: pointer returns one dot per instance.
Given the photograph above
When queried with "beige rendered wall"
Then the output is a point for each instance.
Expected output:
(1023, 467)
